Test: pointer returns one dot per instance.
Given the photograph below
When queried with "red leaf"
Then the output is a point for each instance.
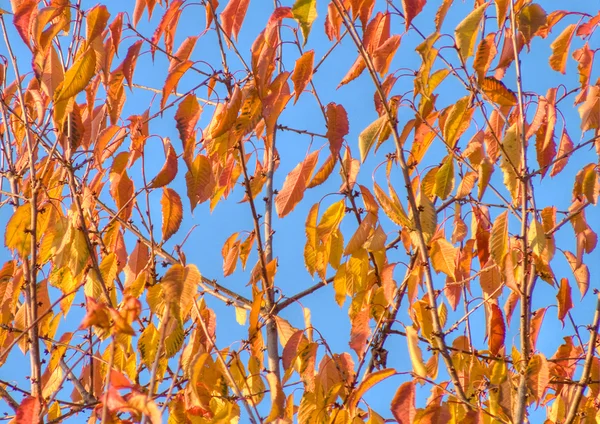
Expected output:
(169, 169)
(403, 404)
(232, 17)
(303, 72)
(172, 213)
(337, 127)
(496, 329)
(411, 9)
(586, 29)
(294, 185)
(29, 411)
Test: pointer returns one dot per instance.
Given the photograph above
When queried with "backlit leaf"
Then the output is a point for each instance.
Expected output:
(357, 68)
(403, 403)
(444, 178)
(172, 213)
(200, 181)
(330, 220)
(369, 381)
(458, 121)
(323, 172)
(303, 72)
(499, 239)
(368, 136)
(414, 351)
(530, 18)
(169, 169)
(305, 12)
(360, 332)
(393, 210)
(560, 49)
(496, 329)
(536, 237)
(17, 234)
(173, 79)
(294, 185)
(563, 298)
(337, 127)
(77, 76)
(581, 273)
(443, 257)
(497, 92)
(233, 16)
(411, 9)
(466, 32)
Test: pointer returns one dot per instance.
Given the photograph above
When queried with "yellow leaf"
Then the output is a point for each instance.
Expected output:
(172, 213)
(511, 160)
(369, 135)
(444, 178)
(241, 315)
(497, 92)
(77, 76)
(536, 237)
(560, 49)
(466, 32)
(458, 121)
(310, 248)
(414, 351)
(330, 220)
(305, 12)
(17, 235)
(427, 216)
(443, 257)
(277, 398)
(147, 344)
(485, 174)
(499, 239)
(393, 210)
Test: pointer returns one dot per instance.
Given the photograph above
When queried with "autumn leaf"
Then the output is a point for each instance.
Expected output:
(563, 298)
(77, 76)
(369, 135)
(337, 127)
(411, 9)
(497, 92)
(233, 16)
(28, 411)
(499, 239)
(360, 332)
(303, 72)
(414, 351)
(444, 178)
(199, 180)
(172, 213)
(530, 18)
(496, 329)
(17, 234)
(369, 381)
(466, 32)
(169, 169)
(294, 185)
(305, 12)
(403, 403)
(560, 49)
(173, 79)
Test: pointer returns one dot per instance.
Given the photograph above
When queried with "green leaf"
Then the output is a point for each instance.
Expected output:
(466, 32)
(305, 12)
(368, 137)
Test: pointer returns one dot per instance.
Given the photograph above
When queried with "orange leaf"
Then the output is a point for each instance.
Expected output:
(384, 54)
(357, 68)
(370, 381)
(403, 404)
(560, 49)
(187, 115)
(360, 332)
(323, 173)
(486, 51)
(531, 18)
(581, 273)
(411, 9)
(225, 118)
(130, 60)
(183, 53)
(233, 16)
(200, 181)
(294, 185)
(496, 329)
(169, 169)
(303, 72)
(96, 315)
(172, 213)
(173, 79)
(497, 92)
(564, 300)
(536, 325)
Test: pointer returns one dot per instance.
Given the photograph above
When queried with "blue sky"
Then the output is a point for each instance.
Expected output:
(204, 246)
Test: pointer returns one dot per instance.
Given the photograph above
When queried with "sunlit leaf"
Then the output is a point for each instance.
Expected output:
(303, 72)
(466, 32)
(305, 12)
(173, 79)
(233, 16)
(530, 18)
(77, 76)
(560, 49)
(172, 213)
(444, 178)
(411, 9)
(414, 351)
(496, 329)
(563, 298)
(294, 185)
(403, 403)
(497, 92)
(169, 169)
(368, 136)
